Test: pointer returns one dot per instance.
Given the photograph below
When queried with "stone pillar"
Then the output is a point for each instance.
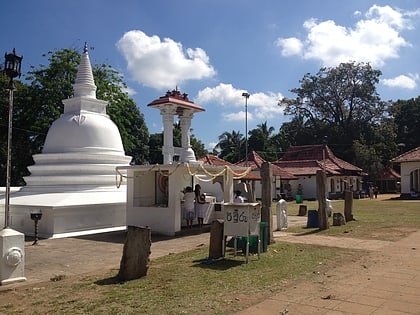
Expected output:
(187, 152)
(266, 215)
(136, 252)
(12, 250)
(168, 135)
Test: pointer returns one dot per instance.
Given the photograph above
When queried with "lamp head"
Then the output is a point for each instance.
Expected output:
(12, 65)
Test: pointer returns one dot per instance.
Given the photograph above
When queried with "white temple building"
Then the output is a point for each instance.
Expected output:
(154, 192)
(73, 180)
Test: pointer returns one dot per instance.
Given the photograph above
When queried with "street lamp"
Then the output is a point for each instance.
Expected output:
(246, 95)
(12, 66)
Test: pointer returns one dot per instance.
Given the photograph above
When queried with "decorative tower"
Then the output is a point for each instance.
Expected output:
(72, 182)
(175, 103)
(83, 146)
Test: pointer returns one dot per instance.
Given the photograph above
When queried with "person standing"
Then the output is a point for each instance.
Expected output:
(189, 213)
(200, 202)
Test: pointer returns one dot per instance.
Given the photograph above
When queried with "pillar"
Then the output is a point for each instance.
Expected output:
(168, 135)
(187, 152)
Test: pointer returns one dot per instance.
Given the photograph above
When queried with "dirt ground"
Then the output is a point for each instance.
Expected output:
(384, 281)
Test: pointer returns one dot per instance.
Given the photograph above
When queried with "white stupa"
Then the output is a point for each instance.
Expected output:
(73, 180)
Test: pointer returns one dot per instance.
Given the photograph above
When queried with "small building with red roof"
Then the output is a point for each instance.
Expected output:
(281, 176)
(304, 162)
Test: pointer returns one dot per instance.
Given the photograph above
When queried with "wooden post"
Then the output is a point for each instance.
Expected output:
(302, 210)
(216, 239)
(348, 205)
(322, 202)
(266, 215)
(135, 259)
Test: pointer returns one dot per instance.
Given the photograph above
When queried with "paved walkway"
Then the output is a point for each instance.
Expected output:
(387, 281)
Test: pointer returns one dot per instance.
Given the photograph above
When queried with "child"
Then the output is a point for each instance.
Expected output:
(189, 197)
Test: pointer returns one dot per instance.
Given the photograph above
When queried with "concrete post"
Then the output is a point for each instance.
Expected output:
(12, 250)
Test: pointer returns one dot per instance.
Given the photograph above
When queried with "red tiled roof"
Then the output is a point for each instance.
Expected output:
(210, 159)
(410, 156)
(175, 98)
(308, 159)
(389, 174)
(255, 161)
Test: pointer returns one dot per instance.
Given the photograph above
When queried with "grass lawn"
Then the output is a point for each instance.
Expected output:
(383, 218)
(185, 284)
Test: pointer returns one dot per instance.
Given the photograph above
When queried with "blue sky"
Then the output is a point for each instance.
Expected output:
(215, 50)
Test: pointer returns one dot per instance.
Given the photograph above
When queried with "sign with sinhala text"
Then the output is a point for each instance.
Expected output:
(242, 219)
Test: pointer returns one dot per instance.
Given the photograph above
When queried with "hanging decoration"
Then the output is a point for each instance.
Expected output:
(199, 170)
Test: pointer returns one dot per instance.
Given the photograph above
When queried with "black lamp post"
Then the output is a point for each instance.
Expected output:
(12, 66)
(246, 95)
(36, 216)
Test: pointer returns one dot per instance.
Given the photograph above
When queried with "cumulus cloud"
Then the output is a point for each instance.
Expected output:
(375, 38)
(290, 46)
(403, 81)
(163, 63)
(259, 105)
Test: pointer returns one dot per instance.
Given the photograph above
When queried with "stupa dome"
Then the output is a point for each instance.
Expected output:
(83, 132)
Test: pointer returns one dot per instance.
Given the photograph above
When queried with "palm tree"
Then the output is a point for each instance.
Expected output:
(265, 130)
(260, 141)
(230, 146)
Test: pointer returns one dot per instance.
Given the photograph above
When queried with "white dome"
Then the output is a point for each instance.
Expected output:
(81, 132)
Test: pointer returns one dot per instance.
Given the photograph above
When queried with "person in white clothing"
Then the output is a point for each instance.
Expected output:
(200, 203)
(189, 213)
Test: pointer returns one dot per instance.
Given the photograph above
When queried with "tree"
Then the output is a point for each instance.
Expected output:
(198, 147)
(124, 112)
(230, 146)
(340, 102)
(299, 131)
(259, 140)
(407, 119)
(21, 153)
(155, 148)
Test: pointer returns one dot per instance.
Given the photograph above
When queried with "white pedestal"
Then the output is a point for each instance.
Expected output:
(12, 259)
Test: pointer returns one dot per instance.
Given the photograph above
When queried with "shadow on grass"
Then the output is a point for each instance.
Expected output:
(109, 281)
(311, 231)
(218, 264)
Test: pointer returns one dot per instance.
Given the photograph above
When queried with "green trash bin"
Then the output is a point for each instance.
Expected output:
(263, 236)
(253, 244)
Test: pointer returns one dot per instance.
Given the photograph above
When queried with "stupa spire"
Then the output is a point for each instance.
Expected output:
(85, 85)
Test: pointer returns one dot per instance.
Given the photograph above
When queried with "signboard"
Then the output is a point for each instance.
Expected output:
(242, 219)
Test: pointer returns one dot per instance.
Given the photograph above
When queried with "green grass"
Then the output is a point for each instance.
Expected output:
(181, 284)
(387, 219)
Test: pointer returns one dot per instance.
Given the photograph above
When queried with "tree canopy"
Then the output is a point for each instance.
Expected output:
(340, 103)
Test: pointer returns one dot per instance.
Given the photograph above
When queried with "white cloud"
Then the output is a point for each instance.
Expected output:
(163, 63)
(389, 16)
(403, 81)
(290, 46)
(374, 38)
(259, 105)
(130, 91)
(211, 145)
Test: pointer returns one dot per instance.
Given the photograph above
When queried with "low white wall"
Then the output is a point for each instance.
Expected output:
(159, 219)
